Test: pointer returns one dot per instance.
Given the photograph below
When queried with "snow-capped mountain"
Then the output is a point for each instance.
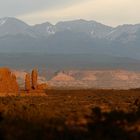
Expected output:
(124, 33)
(68, 37)
(92, 28)
(13, 26)
(44, 29)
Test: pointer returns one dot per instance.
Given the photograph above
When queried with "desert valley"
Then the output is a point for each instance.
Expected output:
(72, 79)
(97, 104)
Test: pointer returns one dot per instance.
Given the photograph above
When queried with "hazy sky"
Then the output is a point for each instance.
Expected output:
(111, 12)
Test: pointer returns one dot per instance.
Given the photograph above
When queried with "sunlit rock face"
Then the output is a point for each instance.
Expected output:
(63, 77)
(28, 82)
(34, 78)
(8, 83)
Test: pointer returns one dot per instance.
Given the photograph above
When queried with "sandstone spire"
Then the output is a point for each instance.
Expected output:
(27, 82)
(34, 78)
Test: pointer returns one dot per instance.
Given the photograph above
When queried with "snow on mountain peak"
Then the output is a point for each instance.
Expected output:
(3, 21)
(128, 30)
(50, 30)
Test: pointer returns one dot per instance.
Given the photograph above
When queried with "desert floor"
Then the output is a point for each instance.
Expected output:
(72, 115)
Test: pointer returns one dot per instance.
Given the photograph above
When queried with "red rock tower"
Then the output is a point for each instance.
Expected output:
(28, 82)
(34, 78)
(8, 81)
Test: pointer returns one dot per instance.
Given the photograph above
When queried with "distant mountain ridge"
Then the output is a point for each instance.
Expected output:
(68, 37)
(13, 26)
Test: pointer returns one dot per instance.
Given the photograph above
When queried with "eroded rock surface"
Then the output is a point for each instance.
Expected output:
(8, 83)
(34, 78)
(27, 82)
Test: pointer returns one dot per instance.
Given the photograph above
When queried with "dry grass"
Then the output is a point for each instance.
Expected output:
(72, 114)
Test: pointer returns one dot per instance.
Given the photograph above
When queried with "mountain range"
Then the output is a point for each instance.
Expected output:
(70, 37)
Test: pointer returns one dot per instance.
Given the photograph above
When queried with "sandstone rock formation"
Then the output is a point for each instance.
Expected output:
(28, 82)
(63, 77)
(34, 78)
(99, 79)
(8, 83)
(32, 84)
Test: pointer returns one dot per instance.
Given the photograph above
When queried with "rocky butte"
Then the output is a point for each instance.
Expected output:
(8, 83)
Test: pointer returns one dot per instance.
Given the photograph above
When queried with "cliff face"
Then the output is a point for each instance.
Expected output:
(8, 81)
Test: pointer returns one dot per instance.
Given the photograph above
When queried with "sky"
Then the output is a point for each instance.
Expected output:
(109, 12)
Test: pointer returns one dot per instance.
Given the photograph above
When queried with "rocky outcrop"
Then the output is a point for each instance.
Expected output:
(31, 82)
(42, 86)
(34, 78)
(8, 83)
(28, 82)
